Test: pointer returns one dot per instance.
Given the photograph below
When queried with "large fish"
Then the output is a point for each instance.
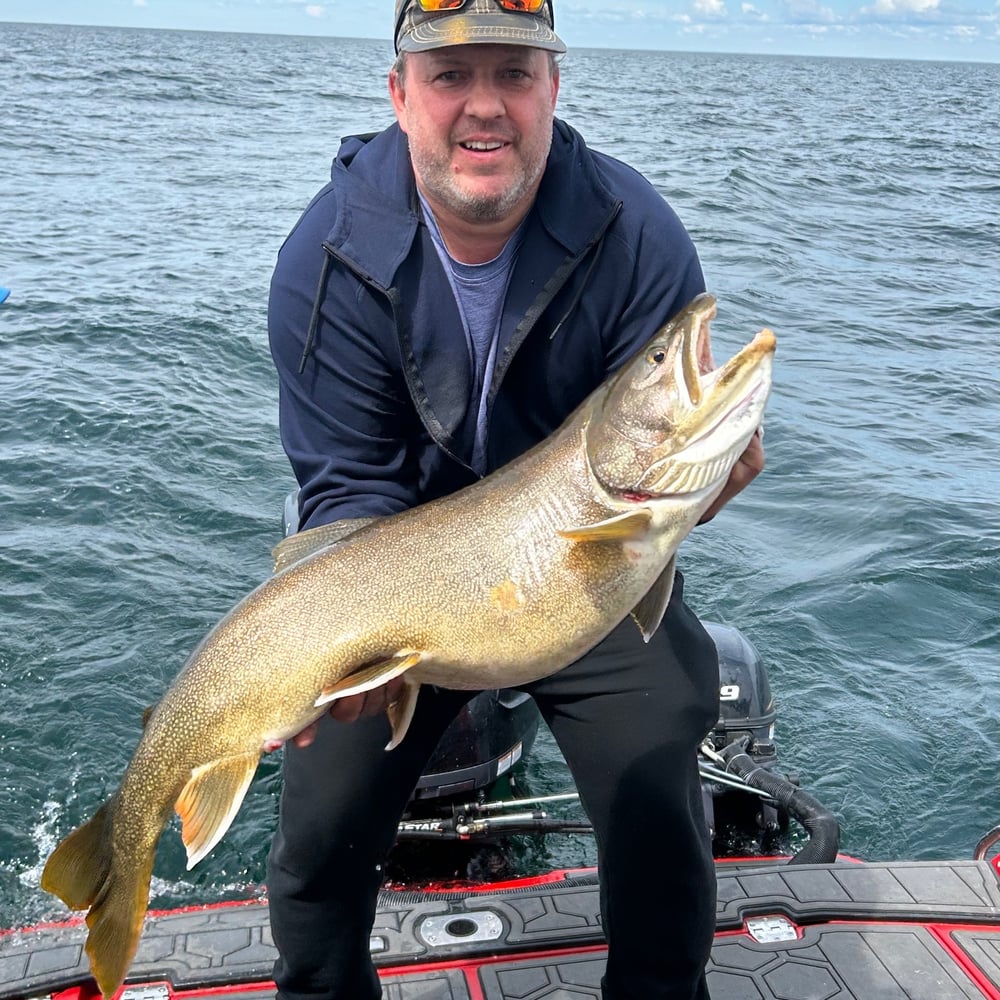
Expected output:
(499, 584)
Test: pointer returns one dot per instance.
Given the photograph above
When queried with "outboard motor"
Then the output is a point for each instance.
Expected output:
(488, 737)
(747, 717)
(745, 796)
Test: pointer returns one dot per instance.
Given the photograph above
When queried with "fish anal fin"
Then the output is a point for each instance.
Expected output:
(401, 711)
(300, 546)
(631, 525)
(371, 676)
(649, 612)
(210, 800)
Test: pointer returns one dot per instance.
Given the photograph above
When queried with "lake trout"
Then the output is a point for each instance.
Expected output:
(499, 584)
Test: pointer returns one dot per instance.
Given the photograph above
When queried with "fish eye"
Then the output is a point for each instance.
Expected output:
(656, 356)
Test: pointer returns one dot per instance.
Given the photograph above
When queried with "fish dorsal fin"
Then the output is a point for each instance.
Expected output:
(210, 800)
(649, 612)
(371, 676)
(620, 528)
(400, 712)
(300, 546)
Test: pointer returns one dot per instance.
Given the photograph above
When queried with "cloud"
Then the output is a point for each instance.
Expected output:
(315, 10)
(710, 8)
(142, 3)
(902, 8)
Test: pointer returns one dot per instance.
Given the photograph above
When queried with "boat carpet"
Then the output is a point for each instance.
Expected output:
(884, 931)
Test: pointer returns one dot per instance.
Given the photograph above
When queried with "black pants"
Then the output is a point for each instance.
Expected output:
(628, 718)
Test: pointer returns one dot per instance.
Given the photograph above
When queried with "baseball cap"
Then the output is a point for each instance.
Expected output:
(474, 22)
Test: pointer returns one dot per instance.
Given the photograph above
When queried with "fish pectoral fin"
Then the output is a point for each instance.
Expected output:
(300, 546)
(210, 800)
(620, 528)
(649, 612)
(371, 676)
(400, 712)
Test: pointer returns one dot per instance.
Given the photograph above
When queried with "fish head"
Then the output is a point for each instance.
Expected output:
(670, 424)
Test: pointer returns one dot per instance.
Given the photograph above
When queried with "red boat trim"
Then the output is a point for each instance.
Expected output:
(944, 933)
(471, 888)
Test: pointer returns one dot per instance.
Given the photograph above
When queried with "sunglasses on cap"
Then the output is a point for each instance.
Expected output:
(518, 6)
(426, 24)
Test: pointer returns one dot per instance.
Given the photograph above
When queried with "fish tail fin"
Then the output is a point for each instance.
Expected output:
(83, 873)
(79, 866)
(115, 921)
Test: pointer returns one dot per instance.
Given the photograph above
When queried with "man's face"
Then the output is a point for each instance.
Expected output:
(479, 123)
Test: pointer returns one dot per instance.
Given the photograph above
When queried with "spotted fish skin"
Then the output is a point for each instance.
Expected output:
(499, 584)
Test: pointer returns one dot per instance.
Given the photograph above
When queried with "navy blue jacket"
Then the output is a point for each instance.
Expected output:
(374, 370)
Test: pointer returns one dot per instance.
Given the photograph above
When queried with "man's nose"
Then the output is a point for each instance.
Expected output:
(484, 100)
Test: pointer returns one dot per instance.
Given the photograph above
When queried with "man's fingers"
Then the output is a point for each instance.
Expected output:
(367, 703)
(303, 739)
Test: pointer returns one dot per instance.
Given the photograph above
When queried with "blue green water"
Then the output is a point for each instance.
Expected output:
(146, 182)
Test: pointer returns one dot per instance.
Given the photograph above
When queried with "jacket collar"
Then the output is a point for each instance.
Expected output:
(379, 210)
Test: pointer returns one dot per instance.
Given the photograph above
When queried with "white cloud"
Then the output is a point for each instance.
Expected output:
(901, 7)
(710, 8)
(315, 10)
(142, 3)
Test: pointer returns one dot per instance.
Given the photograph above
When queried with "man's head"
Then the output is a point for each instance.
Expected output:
(430, 24)
(476, 103)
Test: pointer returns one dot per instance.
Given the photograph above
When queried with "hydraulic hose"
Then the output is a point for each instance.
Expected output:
(816, 819)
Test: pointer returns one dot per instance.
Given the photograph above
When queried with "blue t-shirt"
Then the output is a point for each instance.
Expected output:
(480, 290)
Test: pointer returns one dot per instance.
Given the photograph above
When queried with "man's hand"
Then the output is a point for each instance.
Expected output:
(748, 466)
(354, 706)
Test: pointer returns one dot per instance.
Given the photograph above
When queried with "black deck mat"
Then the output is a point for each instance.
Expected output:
(229, 945)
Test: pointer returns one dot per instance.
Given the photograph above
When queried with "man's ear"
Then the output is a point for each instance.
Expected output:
(397, 94)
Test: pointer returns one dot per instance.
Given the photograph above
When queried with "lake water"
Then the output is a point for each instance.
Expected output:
(146, 182)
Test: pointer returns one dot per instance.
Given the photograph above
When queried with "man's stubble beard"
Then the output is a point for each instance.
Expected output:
(440, 184)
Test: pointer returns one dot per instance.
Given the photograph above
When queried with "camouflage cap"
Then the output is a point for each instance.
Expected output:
(476, 21)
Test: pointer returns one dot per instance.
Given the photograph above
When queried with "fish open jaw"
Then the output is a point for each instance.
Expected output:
(700, 463)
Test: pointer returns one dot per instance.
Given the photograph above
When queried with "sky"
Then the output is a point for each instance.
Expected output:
(966, 30)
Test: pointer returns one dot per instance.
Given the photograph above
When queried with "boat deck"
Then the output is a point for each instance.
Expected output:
(848, 931)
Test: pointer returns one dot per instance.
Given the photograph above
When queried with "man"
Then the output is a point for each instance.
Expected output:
(467, 277)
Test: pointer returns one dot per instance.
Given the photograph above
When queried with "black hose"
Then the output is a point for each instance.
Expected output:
(816, 819)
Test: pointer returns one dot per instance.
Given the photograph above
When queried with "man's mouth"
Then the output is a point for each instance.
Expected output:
(482, 145)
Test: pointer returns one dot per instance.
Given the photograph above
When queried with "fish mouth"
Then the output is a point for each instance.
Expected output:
(719, 410)
(745, 376)
(672, 423)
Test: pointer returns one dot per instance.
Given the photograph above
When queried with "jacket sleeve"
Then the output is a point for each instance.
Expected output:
(345, 419)
(658, 264)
